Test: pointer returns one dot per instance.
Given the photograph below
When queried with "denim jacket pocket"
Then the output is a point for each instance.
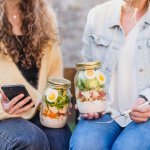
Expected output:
(100, 47)
(100, 41)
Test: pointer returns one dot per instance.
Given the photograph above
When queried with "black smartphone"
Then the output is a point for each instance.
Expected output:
(12, 91)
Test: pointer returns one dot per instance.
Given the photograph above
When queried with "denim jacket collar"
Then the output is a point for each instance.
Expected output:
(147, 17)
(114, 19)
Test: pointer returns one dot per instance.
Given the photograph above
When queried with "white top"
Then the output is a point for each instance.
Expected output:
(123, 89)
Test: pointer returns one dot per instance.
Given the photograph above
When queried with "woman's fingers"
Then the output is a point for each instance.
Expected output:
(139, 102)
(140, 114)
(7, 106)
(143, 109)
(69, 108)
(70, 105)
(19, 105)
(24, 109)
(3, 97)
(76, 107)
(84, 115)
(138, 119)
(139, 108)
(91, 116)
(96, 115)
(15, 100)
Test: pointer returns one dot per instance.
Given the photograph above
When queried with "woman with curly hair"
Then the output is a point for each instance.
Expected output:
(29, 55)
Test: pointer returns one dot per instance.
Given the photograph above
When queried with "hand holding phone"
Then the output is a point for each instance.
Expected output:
(19, 99)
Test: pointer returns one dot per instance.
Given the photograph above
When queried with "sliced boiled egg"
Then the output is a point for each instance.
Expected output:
(51, 95)
(100, 77)
(89, 74)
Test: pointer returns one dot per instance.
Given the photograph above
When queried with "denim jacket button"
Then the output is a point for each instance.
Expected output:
(144, 27)
(141, 70)
(107, 69)
(139, 47)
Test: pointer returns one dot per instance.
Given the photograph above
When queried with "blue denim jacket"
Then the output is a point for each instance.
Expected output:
(103, 37)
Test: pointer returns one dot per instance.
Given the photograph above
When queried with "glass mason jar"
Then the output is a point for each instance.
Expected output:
(90, 88)
(55, 105)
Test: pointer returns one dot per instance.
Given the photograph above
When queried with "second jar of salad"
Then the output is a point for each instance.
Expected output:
(90, 88)
(55, 105)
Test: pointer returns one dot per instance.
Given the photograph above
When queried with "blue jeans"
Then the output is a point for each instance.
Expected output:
(20, 134)
(89, 135)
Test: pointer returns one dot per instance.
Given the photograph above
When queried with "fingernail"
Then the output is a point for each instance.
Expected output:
(85, 116)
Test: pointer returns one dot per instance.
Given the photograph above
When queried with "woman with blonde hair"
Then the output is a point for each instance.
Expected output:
(29, 54)
(117, 33)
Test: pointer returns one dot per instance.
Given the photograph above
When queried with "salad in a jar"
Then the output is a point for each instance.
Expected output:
(90, 89)
(55, 106)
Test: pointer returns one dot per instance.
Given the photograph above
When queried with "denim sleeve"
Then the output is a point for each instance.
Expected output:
(146, 93)
(87, 39)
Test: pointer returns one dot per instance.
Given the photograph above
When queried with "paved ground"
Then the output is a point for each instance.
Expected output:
(72, 17)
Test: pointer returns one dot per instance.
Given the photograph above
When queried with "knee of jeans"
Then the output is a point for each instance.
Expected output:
(117, 146)
(123, 144)
(35, 140)
(78, 143)
(88, 142)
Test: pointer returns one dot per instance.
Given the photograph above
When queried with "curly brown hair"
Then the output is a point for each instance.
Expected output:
(38, 28)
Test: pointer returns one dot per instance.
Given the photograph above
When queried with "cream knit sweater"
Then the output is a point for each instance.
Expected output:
(51, 66)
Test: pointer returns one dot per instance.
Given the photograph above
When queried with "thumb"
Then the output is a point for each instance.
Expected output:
(38, 103)
(4, 102)
(3, 98)
(138, 102)
(137, 107)
(76, 107)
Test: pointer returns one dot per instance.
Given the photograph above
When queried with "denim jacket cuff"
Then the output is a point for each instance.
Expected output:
(145, 94)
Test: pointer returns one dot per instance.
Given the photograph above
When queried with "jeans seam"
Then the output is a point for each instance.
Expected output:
(6, 140)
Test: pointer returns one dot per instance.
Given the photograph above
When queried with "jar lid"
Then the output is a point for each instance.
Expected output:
(60, 83)
(88, 65)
